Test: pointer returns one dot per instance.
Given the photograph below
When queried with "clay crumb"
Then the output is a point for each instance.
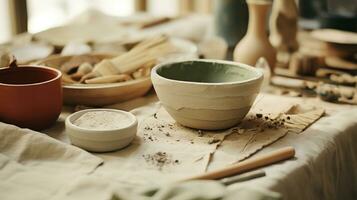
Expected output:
(155, 115)
(259, 115)
(159, 159)
(147, 128)
(213, 141)
(148, 137)
(200, 133)
(270, 123)
(241, 131)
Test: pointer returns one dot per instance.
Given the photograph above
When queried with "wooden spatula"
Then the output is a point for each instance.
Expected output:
(247, 165)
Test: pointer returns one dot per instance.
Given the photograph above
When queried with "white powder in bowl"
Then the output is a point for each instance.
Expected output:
(103, 120)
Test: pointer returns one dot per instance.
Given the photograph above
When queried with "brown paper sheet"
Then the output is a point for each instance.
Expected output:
(186, 152)
(253, 134)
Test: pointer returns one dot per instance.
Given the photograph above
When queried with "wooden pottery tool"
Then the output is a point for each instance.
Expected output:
(247, 165)
(340, 63)
(243, 177)
(335, 36)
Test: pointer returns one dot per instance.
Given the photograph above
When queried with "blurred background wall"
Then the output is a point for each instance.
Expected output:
(43, 14)
(18, 16)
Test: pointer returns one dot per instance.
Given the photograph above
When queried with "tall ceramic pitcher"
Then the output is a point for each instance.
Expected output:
(255, 43)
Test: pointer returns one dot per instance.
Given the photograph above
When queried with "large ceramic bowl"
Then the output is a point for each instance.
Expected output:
(206, 94)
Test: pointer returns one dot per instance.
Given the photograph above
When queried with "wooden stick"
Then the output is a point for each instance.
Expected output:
(150, 43)
(133, 63)
(247, 165)
(133, 60)
(147, 51)
(156, 51)
(243, 177)
(143, 46)
(108, 79)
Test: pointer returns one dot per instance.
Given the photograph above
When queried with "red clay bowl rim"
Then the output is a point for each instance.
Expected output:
(59, 74)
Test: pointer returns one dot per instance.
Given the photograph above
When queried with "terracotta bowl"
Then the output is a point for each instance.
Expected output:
(31, 96)
(207, 94)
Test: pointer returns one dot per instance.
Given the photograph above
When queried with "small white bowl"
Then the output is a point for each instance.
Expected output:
(101, 140)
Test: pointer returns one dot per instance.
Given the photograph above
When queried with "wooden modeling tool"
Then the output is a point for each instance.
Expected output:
(247, 165)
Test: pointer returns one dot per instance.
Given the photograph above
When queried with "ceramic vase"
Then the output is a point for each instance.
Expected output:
(283, 25)
(255, 43)
(230, 20)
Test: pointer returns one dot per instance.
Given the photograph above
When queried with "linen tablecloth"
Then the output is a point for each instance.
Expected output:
(323, 167)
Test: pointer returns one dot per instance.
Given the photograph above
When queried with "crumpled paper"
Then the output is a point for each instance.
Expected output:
(182, 152)
(265, 124)
(165, 152)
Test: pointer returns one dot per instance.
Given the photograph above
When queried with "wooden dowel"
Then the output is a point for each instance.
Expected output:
(147, 51)
(108, 79)
(141, 48)
(250, 164)
(243, 177)
(133, 63)
(119, 62)
(150, 43)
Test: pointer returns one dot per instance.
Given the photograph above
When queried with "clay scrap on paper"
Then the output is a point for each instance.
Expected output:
(168, 151)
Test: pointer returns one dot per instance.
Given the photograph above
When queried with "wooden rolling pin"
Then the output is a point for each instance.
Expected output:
(247, 165)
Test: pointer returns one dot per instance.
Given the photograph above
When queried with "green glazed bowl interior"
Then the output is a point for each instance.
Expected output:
(207, 72)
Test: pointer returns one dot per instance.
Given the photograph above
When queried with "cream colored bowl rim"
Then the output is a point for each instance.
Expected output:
(72, 126)
(259, 74)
